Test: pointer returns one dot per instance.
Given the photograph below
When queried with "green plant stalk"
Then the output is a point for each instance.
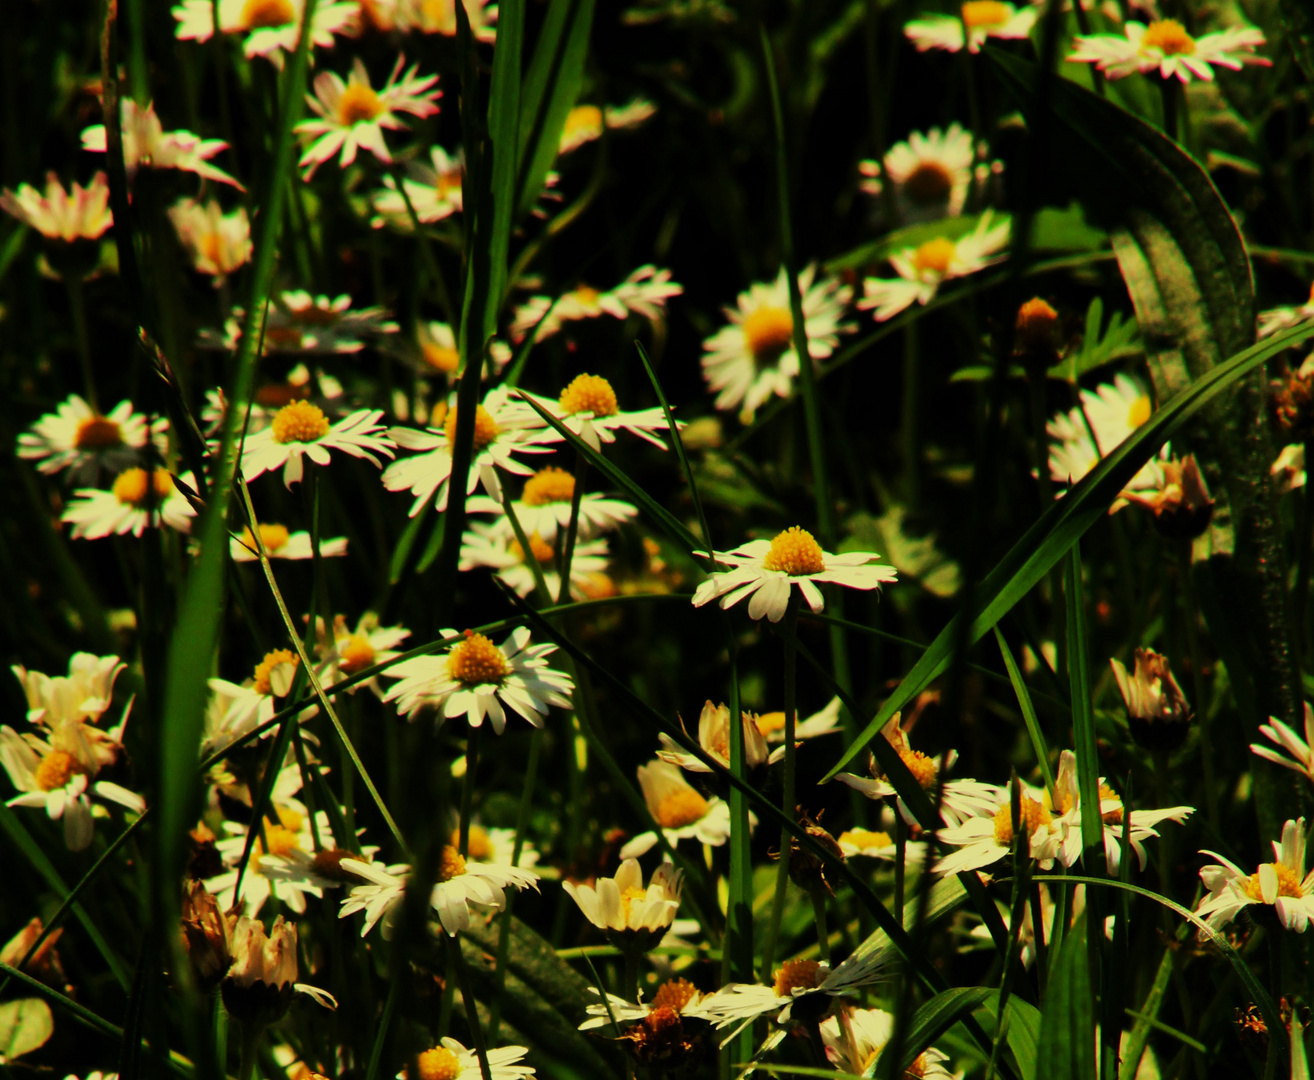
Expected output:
(1146, 1018)
(78, 309)
(535, 569)
(385, 1023)
(471, 1006)
(787, 784)
(250, 1045)
(572, 529)
(467, 787)
(1034, 733)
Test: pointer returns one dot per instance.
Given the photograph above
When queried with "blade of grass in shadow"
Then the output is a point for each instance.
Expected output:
(1038, 744)
(1067, 1026)
(1048, 539)
(1083, 716)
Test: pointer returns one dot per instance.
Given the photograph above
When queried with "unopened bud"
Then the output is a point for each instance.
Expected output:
(206, 935)
(259, 985)
(1157, 712)
(1036, 331)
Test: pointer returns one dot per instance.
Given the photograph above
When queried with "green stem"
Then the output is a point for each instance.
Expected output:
(471, 1006)
(787, 786)
(819, 916)
(467, 786)
(1191, 617)
(1305, 542)
(250, 1044)
(630, 990)
(900, 861)
(572, 530)
(1140, 1033)
(78, 309)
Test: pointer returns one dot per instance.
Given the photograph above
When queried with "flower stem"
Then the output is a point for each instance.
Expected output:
(467, 786)
(250, 1043)
(819, 916)
(787, 786)
(78, 309)
(572, 530)
(900, 861)
(630, 990)
(1168, 94)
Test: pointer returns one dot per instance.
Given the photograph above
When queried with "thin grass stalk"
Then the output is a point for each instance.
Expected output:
(572, 529)
(467, 788)
(471, 1006)
(787, 784)
(535, 569)
(78, 309)
(1034, 732)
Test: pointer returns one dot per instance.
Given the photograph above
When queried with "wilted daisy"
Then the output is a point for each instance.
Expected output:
(259, 986)
(147, 145)
(1270, 322)
(78, 438)
(495, 546)
(680, 996)
(80, 213)
(1157, 712)
(503, 428)
(585, 123)
(766, 571)
(982, 841)
(855, 1038)
(452, 1061)
(353, 115)
(794, 982)
(280, 543)
(931, 173)
(301, 430)
(1302, 757)
(633, 916)
(1281, 884)
(434, 192)
(680, 812)
(83, 694)
(475, 678)
(352, 650)
(976, 21)
(644, 293)
(439, 17)
(545, 502)
(1106, 416)
(1166, 47)
(752, 358)
(137, 500)
(1288, 468)
(924, 268)
(959, 799)
(272, 26)
(589, 408)
(217, 243)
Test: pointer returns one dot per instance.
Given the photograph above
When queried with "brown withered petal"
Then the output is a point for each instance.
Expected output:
(1157, 712)
(805, 869)
(44, 964)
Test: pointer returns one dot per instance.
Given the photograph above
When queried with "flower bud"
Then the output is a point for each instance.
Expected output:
(259, 985)
(206, 935)
(1157, 712)
(1182, 505)
(1035, 335)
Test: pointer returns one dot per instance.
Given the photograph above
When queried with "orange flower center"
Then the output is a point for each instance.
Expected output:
(929, 184)
(486, 429)
(769, 722)
(586, 295)
(476, 660)
(273, 537)
(479, 845)
(922, 767)
(1288, 883)
(97, 433)
(1033, 817)
(260, 13)
(795, 552)
(797, 974)
(355, 654)
(130, 488)
(56, 769)
(864, 838)
(584, 120)
(679, 808)
(439, 1064)
(768, 333)
(934, 256)
(358, 104)
(591, 394)
(1169, 37)
(299, 422)
(538, 547)
(440, 357)
(674, 994)
(550, 485)
(264, 669)
(985, 13)
(452, 864)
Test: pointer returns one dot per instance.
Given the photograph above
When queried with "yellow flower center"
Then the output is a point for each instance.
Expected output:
(479, 845)
(355, 654)
(768, 333)
(679, 808)
(1066, 803)
(769, 722)
(97, 433)
(273, 537)
(299, 422)
(440, 357)
(628, 897)
(439, 1064)
(985, 13)
(1169, 37)
(1288, 883)
(583, 120)
(865, 838)
(586, 295)
(674, 994)
(922, 767)
(538, 547)
(929, 184)
(796, 553)
(265, 668)
(56, 769)
(1139, 412)
(260, 13)
(476, 660)
(934, 256)
(797, 974)
(591, 394)
(452, 864)
(358, 104)
(281, 840)
(328, 863)
(550, 485)
(130, 487)
(1033, 817)
(486, 429)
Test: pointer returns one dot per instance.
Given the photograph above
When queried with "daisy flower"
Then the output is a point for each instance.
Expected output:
(1288, 468)
(217, 243)
(1166, 47)
(976, 21)
(766, 570)
(302, 430)
(586, 123)
(475, 678)
(753, 357)
(680, 996)
(434, 191)
(495, 546)
(280, 543)
(644, 293)
(589, 408)
(353, 650)
(545, 502)
(631, 915)
(252, 703)
(452, 1061)
(135, 502)
(931, 173)
(83, 694)
(1106, 416)
(959, 799)
(984, 840)
(822, 722)
(438, 352)
(1281, 735)
(503, 428)
(147, 145)
(864, 843)
(439, 17)
(78, 438)
(1281, 884)
(272, 26)
(679, 811)
(1157, 712)
(352, 114)
(379, 897)
(1270, 322)
(714, 738)
(81, 213)
(855, 1038)
(794, 982)
(924, 268)
(494, 846)
(1181, 504)
(301, 323)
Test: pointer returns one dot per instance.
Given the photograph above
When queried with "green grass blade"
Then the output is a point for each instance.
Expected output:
(1067, 1026)
(1083, 715)
(503, 135)
(1038, 744)
(937, 1016)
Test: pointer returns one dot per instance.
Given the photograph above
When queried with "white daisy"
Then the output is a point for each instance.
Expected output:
(1285, 739)
(545, 502)
(931, 172)
(279, 543)
(254, 702)
(272, 26)
(495, 546)
(589, 408)
(794, 981)
(855, 1038)
(864, 843)
(767, 569)
(503, 428)
(134, 503)
(1275, 320)
(353, 650)
(623, 907)
(379, 898)
(585, 123)
(982, 841)
(147, 145)
(452, 1061)
(822, 722)
(81, 213)
(439, 17)
(754, 357)
(680, 812)
(644, 293)
(1288, 468)
(980, 19)
(302, 430)
(1165, 46)
(680, 996)
(352, 115)
(217, 243)
(924, 268)
(714, 738)
(1106, 416)
(77, 438)
(477, 678)
(1282, 884)
(300, 323)
(83, 694)
(434, 191)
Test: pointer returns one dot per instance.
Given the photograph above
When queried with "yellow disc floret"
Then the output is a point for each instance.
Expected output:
(273, 537)
(1139, 412)
(56, 769)
(257, 14)
(97, 433)
(583, 120)
(769, 722)
(922, 767)
(865, 838)
(476, 660)
(355, 654)
(928, 184)
(674, 994)
(299, 422)
(439, 1064)
(358, 104)
(680, 807)
(265, 668)
(1287, 882)
(486, 429)
(440, 357)
(797, 975)
(934, 256)
(1169, 37)
(130, 487)
(540, 548)
(768, 333)
(590, 394)
(987, 13)
(452, 864)
(550, 485)
(796, 553)
(479, 845)
(1033, 816)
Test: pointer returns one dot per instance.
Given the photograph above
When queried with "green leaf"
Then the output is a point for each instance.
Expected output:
(25, 1025)
(1100, 344)
(1083, 715)
(938, 1015)
(1067, 1027)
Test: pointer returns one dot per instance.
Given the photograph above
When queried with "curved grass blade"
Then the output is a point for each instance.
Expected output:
(1038, 745)
(937, 1016)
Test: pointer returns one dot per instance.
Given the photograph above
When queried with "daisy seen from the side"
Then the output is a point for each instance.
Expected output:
(1083, 436)
(679, 811)
(301, 431)
(545, 502)
(493, 845)
(1298, 757)
(976, 21)
(632, 915)
(80, 213)
(433, 190)
(452, 1061)
(147, 145)
(136, 501)
(281, 543)
(439, 17)
(586, 123)
(353, 649)
(254, 701)
(300, 323)
(495, 546)
(767, 570)
(1165, 46)
(644, 293)
(77, 438)
(271, 26)
(217, 243)
(83, 694)
(1282, 884)
(680, 996)
(753, 357)
(1275, 320)
(923, 269)
(984, 840)
(855, 1038)
(793, 983)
